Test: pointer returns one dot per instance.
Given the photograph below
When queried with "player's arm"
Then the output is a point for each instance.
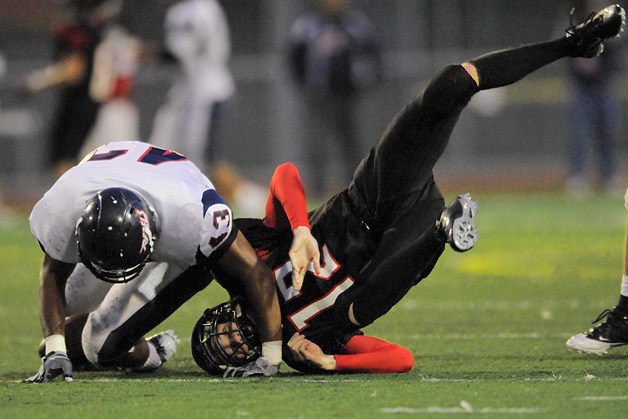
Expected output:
(286, 208)
(68, 70)
(53, 277)
(363, 354)
(241, 262)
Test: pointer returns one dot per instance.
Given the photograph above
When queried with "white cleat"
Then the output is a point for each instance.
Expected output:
(166, 343)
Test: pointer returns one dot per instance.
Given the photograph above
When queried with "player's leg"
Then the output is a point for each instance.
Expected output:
(407, 253)
(401, 163)
(425, 126)
(613, 329)
(368, 354)
(507, 66)
(113, 334)
(581, 107)
(403, 159)
(606, 136)
(83, 291)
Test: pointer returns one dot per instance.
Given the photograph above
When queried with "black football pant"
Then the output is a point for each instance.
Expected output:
(394, 191)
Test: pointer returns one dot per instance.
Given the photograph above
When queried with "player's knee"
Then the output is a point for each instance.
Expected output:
(91, 349)
(450, 85)
(103, 347)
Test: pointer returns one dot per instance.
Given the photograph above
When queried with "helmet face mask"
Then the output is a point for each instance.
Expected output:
(116, 234)
(224, 337)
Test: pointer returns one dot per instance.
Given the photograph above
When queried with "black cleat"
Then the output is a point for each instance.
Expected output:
(609, 334)
(586, 38)
(457, 223)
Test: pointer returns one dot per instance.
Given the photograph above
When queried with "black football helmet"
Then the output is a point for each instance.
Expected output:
(116, 234)
(226, 321)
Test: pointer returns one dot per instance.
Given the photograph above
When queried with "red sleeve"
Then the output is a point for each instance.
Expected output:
(286, 207)
(372, 355)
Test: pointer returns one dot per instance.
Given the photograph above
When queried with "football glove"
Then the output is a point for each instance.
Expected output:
(52, 365)
(258, 368)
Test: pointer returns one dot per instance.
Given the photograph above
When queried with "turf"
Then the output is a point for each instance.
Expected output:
(487, 330)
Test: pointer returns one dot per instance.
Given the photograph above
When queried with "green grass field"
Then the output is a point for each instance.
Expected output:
(487, 329)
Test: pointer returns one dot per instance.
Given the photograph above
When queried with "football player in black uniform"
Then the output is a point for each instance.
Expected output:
(385, 232)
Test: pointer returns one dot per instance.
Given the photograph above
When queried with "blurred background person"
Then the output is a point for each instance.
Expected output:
(115, 64)
(246, 197)
(75, 44)
(197, 35)
(594, 114)
(5, 214)
(333, 56)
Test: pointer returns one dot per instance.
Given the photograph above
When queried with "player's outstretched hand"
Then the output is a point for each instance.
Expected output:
(303, 251)
(258, 368)
(306, 351)
(52, 365)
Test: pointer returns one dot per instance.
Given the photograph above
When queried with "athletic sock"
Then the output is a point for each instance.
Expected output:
(153, 361)
(501, 68)
(623, 296)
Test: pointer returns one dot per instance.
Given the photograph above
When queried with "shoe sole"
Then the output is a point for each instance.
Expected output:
(622, 15)
(464, 234)
(582, 343)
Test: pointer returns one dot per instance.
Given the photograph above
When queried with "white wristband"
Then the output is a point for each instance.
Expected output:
(272, 352)
(55, 343)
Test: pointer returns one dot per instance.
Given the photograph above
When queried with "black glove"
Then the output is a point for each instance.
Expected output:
(52, 365)
(259, 367)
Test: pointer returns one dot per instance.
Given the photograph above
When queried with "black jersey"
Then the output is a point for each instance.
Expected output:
(377, 238)
(76, 111)
(345, 249)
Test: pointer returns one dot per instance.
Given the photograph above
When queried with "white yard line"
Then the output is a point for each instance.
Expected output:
(468, 336)
(353, 380)
(601, 398)
(465, 407)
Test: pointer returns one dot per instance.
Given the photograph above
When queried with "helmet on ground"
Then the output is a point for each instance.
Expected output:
(225, 336)
(116, 234)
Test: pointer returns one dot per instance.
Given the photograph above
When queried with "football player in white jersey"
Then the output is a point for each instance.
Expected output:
(127, 211)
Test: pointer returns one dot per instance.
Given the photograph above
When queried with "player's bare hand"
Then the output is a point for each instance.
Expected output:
(306, 351)
(303, 252)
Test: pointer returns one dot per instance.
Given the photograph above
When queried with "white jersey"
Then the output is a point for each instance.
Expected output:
(191, 215)
(197, 33)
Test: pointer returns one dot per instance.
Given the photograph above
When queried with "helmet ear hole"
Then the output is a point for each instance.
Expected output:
(116, 234)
